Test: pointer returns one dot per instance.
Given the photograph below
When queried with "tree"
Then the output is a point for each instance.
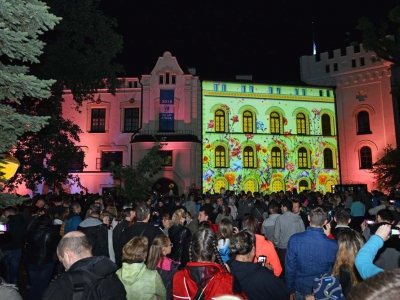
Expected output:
(79, 55)
(21, 24)
(387, 169)
(136, 181)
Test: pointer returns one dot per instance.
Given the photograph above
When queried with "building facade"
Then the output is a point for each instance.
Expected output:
(260, 137)
(365, 111)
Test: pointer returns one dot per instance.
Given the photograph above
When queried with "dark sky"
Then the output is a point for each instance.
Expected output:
(224, 38)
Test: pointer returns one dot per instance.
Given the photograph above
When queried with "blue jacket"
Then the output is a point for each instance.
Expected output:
(366, 255)
(72, 224)
(309, 254)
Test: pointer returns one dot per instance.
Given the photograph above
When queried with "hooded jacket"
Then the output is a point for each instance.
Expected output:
(141, 283)
(286, 225)
(97, 233)
(204, 281)
(258, 282)
(102, 268)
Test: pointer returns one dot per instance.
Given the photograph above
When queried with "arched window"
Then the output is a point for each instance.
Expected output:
(219, 121)
(303, 185)
(276, 158)
(277, 185)
(275, 122)
(220, 157)
(302, 158)
(363, 122)
(326, 124)
(248, 122)
(365, 158)
(328, 158)
(248, 157)
(301, 123)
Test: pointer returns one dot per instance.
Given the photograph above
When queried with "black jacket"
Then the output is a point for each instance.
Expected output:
(117, 241)
(180, 237)
(258, 282)
(109, 288)
(97, 233)
(15, 237)
(140, 229)
(42, 246)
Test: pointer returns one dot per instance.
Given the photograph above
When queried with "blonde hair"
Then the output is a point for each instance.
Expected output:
(135, 251)
(176, 217)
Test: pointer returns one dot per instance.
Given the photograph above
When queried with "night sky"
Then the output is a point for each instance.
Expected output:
(224, 38)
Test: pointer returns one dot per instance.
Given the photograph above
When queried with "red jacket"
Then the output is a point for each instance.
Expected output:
(203, 281)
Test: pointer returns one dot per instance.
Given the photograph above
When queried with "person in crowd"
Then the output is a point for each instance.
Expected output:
(158, 260)
(233, 208)
(388, 256)
(166, 223)
(192, 224)
(268, 226)
(342, 219)
(348, 200)
(128, 215)
(96, 231)
(57, 208)
(257, 281)
(300, 268)
(40, 203)
(225, 232)
(383, 286)
(224, 214)
(74, 218)
(180, 236)
(259, 210)
(244, 209)
(63, 218)
(204, 215)
(384, 204)
(263, 246)
(138, 280)
(286, 225)
(192, 207)
(349, 243)
(296, 209)
(357, 211)
(93, 274)
(107, 219)
(41, 255)
(202, 278)
(12, 242)
(141, 227)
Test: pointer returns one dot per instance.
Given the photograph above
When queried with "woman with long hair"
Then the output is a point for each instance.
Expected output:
(225, 232)
(202, 278)
(257, 281)
(180, 236)
(225, 214)
(138, 280)
(349, 242)
(263, 246)
(158, 260)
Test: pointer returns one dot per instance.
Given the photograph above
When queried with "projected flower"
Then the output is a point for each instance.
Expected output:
(322, 178)
(249, 136)
(237, 165)
(208, 174)
(230, 177)
(258, 147)
(235, 152)
(264, 150)
(206, 159)
(265, 186)
(260, 125)
(284, 121)
(316, 111)
(210, 124)
(225, 106)
(235, 119)
(290, 167)
(208, 147)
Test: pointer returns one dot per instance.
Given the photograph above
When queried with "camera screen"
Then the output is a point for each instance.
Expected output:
(395, 232)
(3, 227)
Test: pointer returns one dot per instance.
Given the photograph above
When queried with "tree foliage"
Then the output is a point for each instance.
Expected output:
(387, 169)
(136, 181)
(79, 55)
(21, 24)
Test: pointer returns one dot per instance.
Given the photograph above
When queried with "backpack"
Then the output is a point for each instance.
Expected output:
(327, 287)
(85, 285)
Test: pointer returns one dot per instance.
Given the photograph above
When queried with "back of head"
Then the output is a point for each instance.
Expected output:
(225, 229)
(274, 206)
(342, 216)
(126, 212)
(135, 251)
(318, 216)
(385, 215)
(250, 223)
(288, 204)
(142, 211)
(95, 210)
(177, 216)
(74, 206)
(203, 246)
(156, 251)
(242, 243)
(75, 242)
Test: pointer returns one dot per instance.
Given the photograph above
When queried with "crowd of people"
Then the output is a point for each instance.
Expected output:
(286, 245)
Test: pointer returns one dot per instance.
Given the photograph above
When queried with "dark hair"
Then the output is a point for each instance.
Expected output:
(204, 225)
(44, 222)
(250, 223)
(126, 212)
(77, 244)
(11, 209)
(142, 211)
(225, 229)
(206, 211)
(242, 243)
(383, 286)
(94, 209)
(386, 215)
(342, 216)
(318, 216)
(288, 204)
(274, 206)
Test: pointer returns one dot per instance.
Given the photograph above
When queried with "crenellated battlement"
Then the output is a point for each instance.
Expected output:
(338, 62)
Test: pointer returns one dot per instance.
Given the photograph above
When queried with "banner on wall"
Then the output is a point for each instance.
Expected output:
(166, 117)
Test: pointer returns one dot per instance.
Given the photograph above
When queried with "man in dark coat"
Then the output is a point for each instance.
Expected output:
(128, 214)
(94, 274)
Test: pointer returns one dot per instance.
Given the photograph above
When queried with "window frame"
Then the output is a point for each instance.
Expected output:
(249, 153)
(302, 158)
(132, 129)
(328, 164)
(220, 157)
(324, 125)
(101, 127)
(364, 164)
(219, 119)
(304, 122)
(366, 125)
(106, 161)
(274, 162)
(248, 120)
(276, 119)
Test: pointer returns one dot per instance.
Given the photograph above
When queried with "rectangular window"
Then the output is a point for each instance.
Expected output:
(76, 163)
(215, 87)
(321, 93)
(296, 91)
(167, 158)
(161, 79)
(107, 157)
(251, 89)
(335, 67)
(167, 78)
(353, 63)
(224, 87)
(362, 61)
(243, 89)
(270, 90)
(173, 79)
(327, 69)
(328, 93)
(98, 120)
(131, 119)
(135, 84)
(130, 84)
(278, 91)
(303, 92)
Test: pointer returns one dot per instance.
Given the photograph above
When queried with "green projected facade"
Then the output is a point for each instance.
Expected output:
(259, 137)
